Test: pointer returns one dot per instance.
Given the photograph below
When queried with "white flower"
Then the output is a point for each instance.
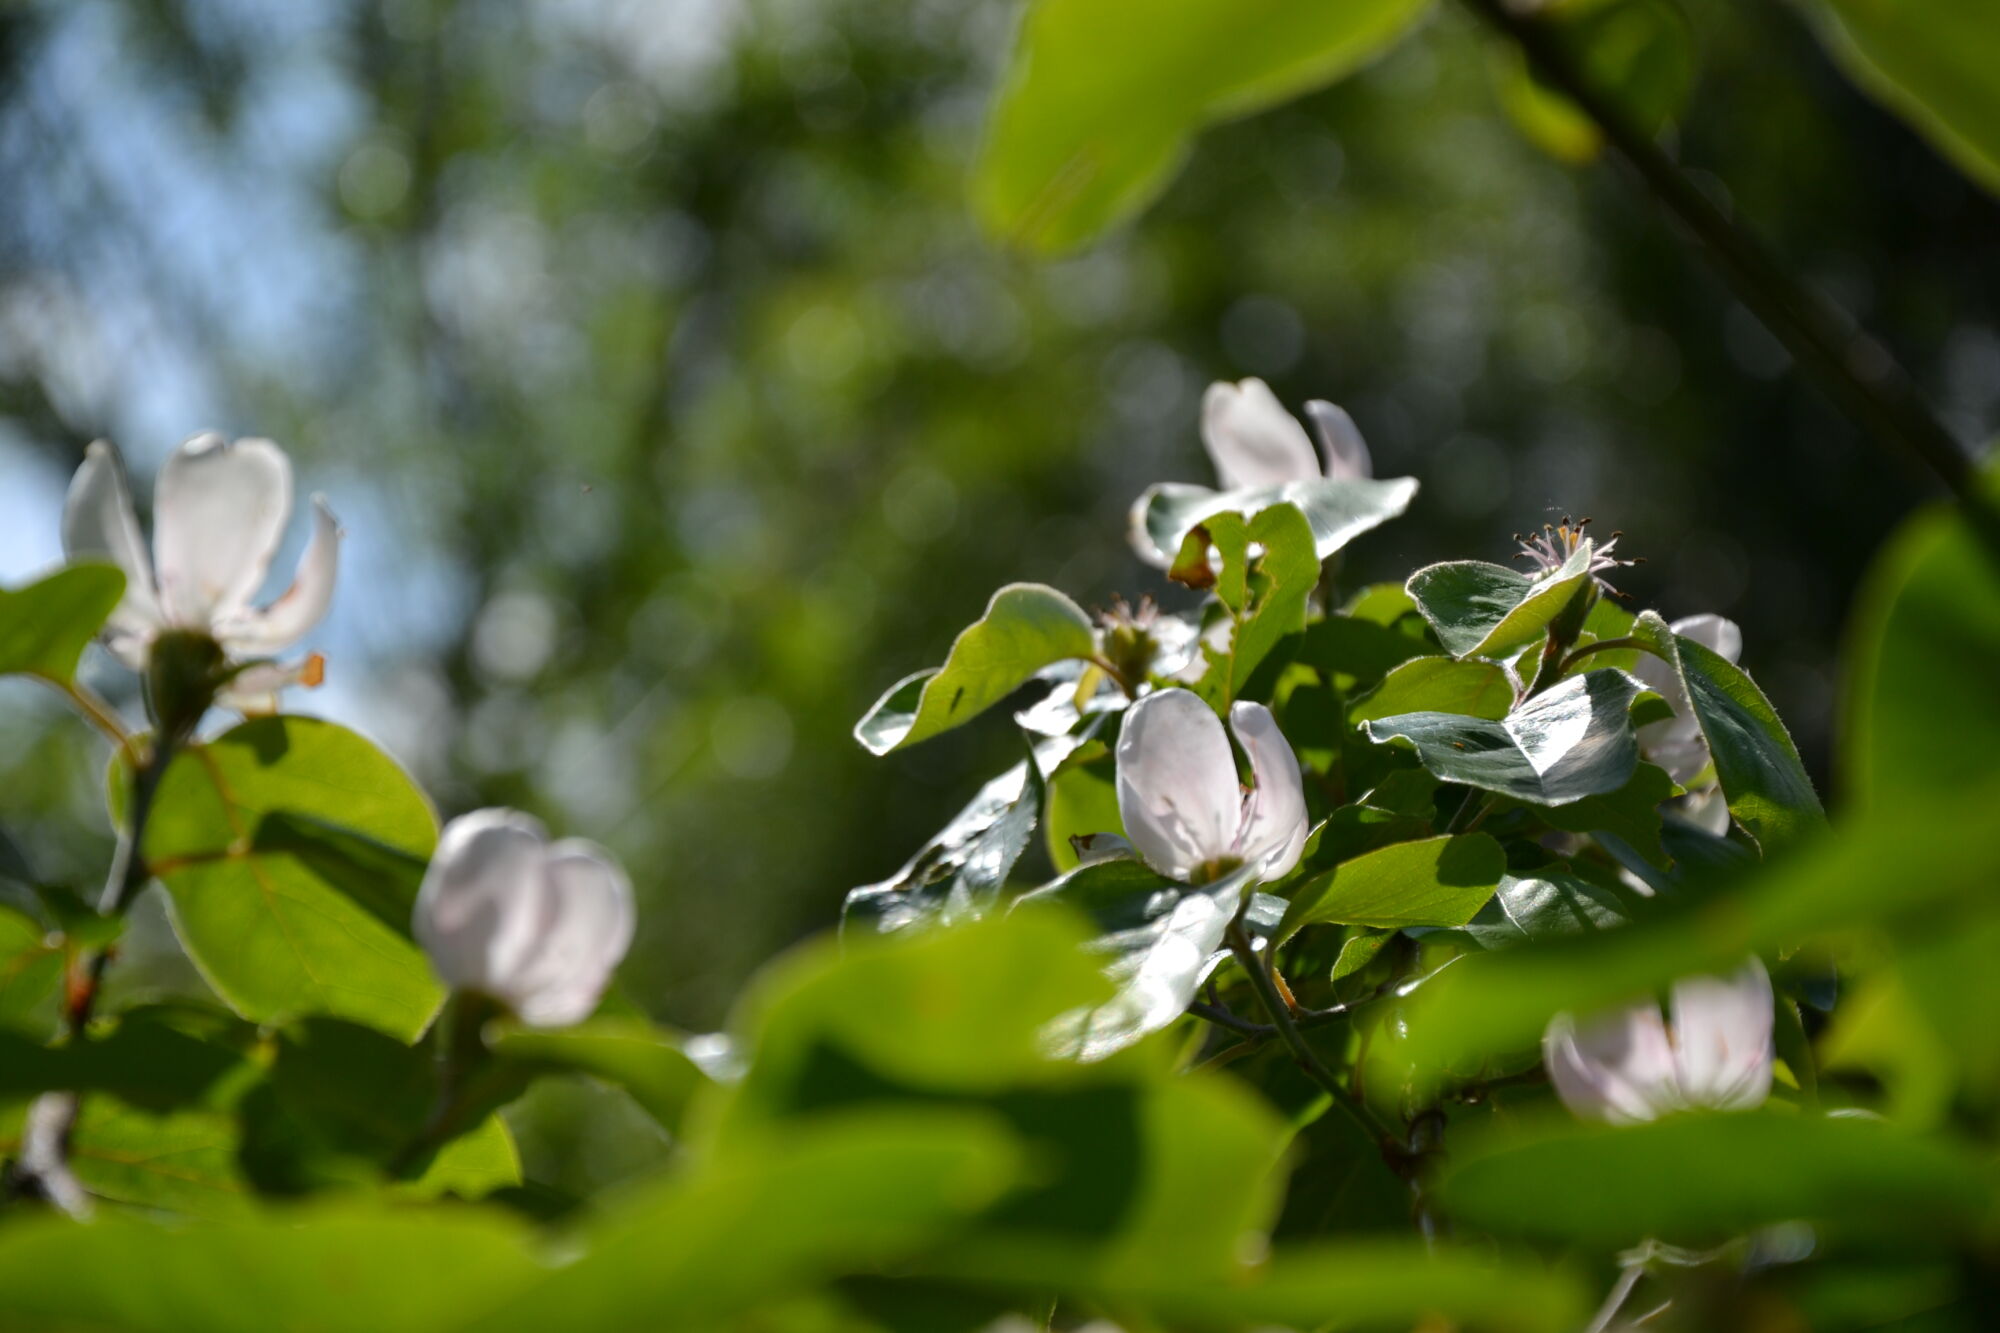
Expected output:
(1630, 1065)
(1675, 744)
(1254, 441)
(219, 512)
(1183, 808)
(536, 925)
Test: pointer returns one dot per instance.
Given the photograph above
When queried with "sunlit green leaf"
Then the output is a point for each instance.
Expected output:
(1756, 763)
(1692, 1179)
(1932, 62)
(259, 837)
(1483, 610)
(1337, 510)
(1026, 627)
(45, 626)
(1266, 605)
(31, 967)
(1079, 142)
(1433, 882)
(1631, 813)
(1571, 741)
(1439, 685)
(1545, 904)
(1082, 800)
(959, 873)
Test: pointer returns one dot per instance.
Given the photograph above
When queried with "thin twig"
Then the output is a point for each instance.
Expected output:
(1613, 1303)
(1853, 368)
(1223, 1018)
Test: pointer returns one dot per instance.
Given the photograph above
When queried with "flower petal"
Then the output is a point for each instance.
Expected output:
(1177, 788)
(1722, 1038)
(1252, 439)
(256, 631)
(1617, 1066)
(219, 510)
(254, 690)
(1273, 831)
(475, 914)
(1347, 455)
(588, 926)
(99, 520)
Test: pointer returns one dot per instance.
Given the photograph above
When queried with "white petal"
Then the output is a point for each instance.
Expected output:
(1722, 1038)
(588, 919)
(1617, 1067)
(1340, 440)
(99, 520)
(1252, 439)
(475, 914)
(254, 690)
(219, 510)
(1177, 788)
(1718, 634)
(1273, 832)
(255, 632)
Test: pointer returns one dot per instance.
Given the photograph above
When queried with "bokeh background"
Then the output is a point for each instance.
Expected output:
(674, 406)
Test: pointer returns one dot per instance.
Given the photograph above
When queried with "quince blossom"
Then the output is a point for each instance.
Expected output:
(219, 513)
(1178, 794)
(1254, 441)
(1632, 1065)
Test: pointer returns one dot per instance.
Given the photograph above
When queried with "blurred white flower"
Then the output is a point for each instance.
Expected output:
(1183, 808)
(1675, 744)
(1254, 441)
(536, 925)
(1631, 1065)
(219, 513)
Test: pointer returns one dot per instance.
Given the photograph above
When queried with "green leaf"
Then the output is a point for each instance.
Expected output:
(1434, 882)
(1921, 709)
(345, 1269)
(1756, 763)
(1357, 651)
(1026, 627)
(1547, 904)
(1571, 741)
(1482, 610)
(1082, 800)
(957, 875)
(31, 968)
(1337, 511)
(1078, 143)
(1438, 685)
(1159, 939)
(258, 836)
(345, 1104)
(1637, 54)
(842, 1193)
(181, 1162)
(45, 626)
(1267, 602)
(1631, 813)
(651, 1065)
(142, 1061)
(1931, 62)
(1697, 1178)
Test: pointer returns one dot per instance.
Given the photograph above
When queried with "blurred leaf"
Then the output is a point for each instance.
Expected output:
(142, 1062)
(1266, 605)
(348, 1269)
(1638, 54)
(281, 921)
(45, 626)
(1756, 763)
(1483, 610)
(1573, 740)
(1161, 939)
(957, 875)
(31, 969)
(1932, 64)
(1438, 685)
(844, 1193)
(1921, 708)
(1631, 813)
(1695, 1178)
(644, 1061)
(1337, 510)
(1026, 627)
(1078, 142)
(1435, 882)
(180, 1162)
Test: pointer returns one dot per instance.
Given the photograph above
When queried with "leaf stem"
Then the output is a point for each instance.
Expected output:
(1850, 366)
